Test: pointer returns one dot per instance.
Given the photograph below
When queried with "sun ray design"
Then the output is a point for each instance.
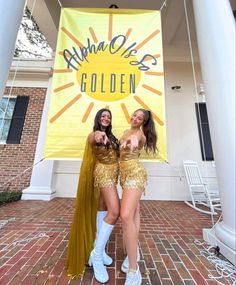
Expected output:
(155, 117)
(67, 106)
(89, 109)
(63, 87)
(151, 58)
(62, 70)
(128, 33)
(72, 37)
(110, 27)
(147, 39)
(61, 53)
(152, 89)
(154, 73)
(126, 113)
(91, 30)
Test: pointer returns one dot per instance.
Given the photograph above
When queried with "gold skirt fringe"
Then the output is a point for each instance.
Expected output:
(132, 174)
(105, 175)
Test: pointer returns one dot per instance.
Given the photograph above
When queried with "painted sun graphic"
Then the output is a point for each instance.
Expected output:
(105, 59)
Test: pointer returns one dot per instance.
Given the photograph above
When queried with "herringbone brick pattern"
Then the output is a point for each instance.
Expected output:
(168, 253)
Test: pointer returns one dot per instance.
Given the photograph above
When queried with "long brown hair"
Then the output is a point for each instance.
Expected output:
(149, 130)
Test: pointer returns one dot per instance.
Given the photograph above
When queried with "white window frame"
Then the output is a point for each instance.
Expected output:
(8, 97)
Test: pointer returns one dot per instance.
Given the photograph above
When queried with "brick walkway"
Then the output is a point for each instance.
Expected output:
(168, 253)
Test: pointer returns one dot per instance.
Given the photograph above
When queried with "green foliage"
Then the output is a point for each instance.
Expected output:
(9, 196)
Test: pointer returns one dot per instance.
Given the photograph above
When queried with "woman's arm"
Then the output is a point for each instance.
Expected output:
(134, 140)
(98, 137)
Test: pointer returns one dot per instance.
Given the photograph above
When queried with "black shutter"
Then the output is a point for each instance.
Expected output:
(18, 119)
(204, 131)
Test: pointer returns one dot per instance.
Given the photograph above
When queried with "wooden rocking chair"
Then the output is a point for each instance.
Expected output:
(199, 191)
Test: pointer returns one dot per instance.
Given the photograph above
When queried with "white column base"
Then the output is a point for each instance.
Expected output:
(210, 237)
(41, 186)
(38, 193)
(226, 234)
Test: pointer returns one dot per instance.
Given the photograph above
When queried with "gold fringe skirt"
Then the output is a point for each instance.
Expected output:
(132, 174)
(105, 175)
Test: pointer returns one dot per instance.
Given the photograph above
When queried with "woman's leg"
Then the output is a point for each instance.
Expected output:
(101, 203)
(137, 218)
(112, 204)
(110, 201)
(130, 222)
(101, 214)
(96, 258)
(125, 263)
(137, 224)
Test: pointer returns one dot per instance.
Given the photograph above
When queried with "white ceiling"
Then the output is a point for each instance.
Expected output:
(47, 15)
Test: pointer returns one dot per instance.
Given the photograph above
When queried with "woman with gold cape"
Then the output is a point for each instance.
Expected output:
(97, 182)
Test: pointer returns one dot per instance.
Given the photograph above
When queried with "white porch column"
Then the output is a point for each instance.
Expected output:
(41, 180)
(216, 42)
(11, 12)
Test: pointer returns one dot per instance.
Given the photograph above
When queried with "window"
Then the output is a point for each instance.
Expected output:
(204, 132)
(12, 117)
(7, 105)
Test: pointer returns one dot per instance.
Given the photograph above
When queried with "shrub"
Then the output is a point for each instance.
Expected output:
(9, 196)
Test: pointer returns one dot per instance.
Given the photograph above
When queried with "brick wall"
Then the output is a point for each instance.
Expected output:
(15, 158)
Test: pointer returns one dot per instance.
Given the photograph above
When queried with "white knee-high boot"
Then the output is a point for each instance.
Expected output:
(96, 256)
(107, 260)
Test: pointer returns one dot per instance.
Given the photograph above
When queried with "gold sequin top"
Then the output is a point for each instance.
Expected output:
(105, 155)
(126, 153)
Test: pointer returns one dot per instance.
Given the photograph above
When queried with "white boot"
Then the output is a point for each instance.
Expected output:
(107, 260)
(133, 277)
(125, 263)
(96, 256)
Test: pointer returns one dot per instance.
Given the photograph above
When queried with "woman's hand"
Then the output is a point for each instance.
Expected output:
(132, 141)
(100, 137)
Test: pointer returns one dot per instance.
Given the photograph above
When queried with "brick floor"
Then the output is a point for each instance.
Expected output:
(168, 253)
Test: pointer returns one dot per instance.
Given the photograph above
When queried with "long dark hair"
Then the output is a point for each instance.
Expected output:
(98, 127)
(149, 130)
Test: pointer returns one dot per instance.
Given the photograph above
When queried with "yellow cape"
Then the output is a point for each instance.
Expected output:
(83, 229)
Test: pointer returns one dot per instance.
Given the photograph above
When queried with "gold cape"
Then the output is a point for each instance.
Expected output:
(83, 229)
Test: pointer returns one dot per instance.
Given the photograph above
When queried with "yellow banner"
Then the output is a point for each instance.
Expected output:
(109, 58)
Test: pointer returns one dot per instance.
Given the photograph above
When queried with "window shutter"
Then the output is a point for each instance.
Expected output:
(204, 132)
(18, 119)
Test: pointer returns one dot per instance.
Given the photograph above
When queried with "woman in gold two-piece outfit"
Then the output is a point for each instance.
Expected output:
(133, 178)
(97, 202)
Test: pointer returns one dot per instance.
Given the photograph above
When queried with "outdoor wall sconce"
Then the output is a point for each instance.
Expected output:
(113, 6)
(176, 87)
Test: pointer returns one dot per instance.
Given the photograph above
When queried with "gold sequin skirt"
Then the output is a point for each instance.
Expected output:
(132, 175)
(105, 175)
